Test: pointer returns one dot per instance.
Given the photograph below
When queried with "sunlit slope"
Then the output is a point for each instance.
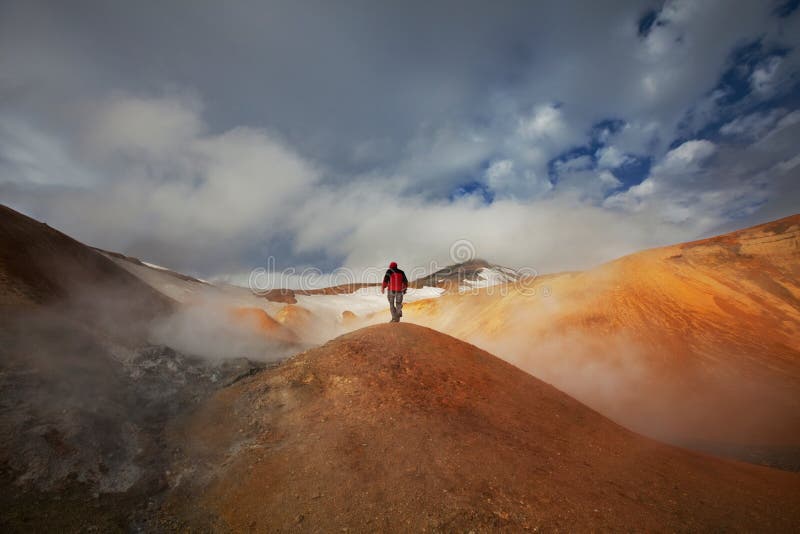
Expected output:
(401, 428)
(696, 343)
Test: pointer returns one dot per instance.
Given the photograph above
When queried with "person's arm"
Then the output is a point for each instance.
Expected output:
(405, 281)
(385, 280)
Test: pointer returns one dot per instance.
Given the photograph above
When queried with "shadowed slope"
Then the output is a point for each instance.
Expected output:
(399, 427)
(84, 395)
(40, 265)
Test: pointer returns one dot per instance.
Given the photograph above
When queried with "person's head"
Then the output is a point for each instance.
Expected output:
(393, 265)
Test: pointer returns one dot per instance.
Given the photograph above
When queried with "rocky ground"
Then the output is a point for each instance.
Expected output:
(85, 398)
(83, 422)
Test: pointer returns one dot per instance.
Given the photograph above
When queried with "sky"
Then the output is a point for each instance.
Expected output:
(211, 136)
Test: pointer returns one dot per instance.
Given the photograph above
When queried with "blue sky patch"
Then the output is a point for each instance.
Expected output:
(647, 21)
(786, 8)
(634, 171)
(474, 187)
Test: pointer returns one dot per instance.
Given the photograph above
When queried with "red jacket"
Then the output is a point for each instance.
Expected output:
(395, 279)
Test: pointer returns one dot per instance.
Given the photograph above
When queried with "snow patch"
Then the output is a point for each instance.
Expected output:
(362, 302)
(154, 266)
(489, 277)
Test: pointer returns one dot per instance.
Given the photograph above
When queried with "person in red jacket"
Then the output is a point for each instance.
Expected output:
(395, 279)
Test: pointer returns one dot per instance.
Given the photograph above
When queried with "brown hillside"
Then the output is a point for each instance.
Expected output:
(401, 428)
(40, 265)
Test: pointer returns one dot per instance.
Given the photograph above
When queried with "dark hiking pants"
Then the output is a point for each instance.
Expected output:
(396, 304)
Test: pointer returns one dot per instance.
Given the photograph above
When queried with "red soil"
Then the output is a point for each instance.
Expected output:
(260, 320)
(401, 428)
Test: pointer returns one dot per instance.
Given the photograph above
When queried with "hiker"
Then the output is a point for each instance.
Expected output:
(396, 281)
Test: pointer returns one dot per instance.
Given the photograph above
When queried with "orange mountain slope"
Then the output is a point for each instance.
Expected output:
(260, 321)
(399, 427)
(697, 343)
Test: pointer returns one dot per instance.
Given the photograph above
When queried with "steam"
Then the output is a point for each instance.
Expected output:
(569, 361)
(91, 377)
(213, 332)
(650, 380)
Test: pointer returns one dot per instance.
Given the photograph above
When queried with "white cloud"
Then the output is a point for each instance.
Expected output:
(665, 191)
(608, 180)
(499, 171)
(744, 180)
(788, 164)
(660, 191)
(504, 179)
(776, 139)
(588, 185)
(437, 153)
(753, 125)
(548, 234)
(686, 158)
(579, 163)
(635, 198)
(546, 123)
(764, 77)
(32, 157)
(789, 120)
(171, 188)
(194, 183)
(610, 158)
(154, 127)
(637, 137)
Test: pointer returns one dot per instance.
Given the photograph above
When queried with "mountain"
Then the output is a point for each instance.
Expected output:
(40, 265)
(399, 427)
(695, 343)
(468, 275)
(90, 379)
(134, 397)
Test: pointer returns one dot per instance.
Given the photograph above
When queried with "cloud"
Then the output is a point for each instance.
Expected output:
(505, 180)
(754, 125)
(686, 158)
(500, 173)
(29, 157)
(763, 78)
(545, 124)
(721, 187)
(170, 188)
(608, 180)
(789, 164)
(579, 163)
(153, 128)
(665, 190)
(368, 226)
(610, 157)
(316, 145)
